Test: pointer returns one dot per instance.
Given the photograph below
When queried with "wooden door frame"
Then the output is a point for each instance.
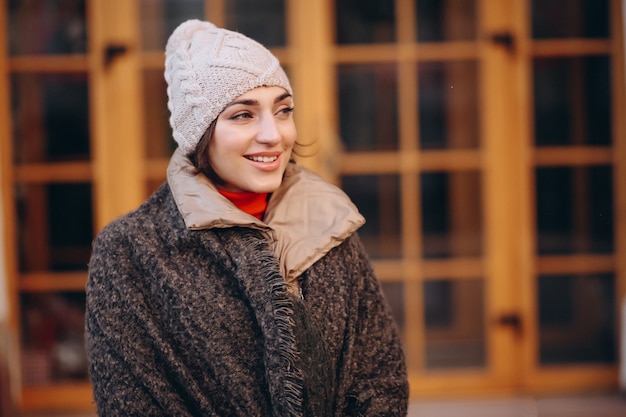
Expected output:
(311, 53)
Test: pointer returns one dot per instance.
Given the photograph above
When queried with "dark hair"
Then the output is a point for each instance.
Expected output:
(200, 156)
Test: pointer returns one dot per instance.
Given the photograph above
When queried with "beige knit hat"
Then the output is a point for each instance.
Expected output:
(206, 68)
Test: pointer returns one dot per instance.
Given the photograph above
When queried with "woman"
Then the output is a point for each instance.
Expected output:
(240, 287)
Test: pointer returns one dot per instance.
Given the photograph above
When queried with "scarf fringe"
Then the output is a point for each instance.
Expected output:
(267, 291)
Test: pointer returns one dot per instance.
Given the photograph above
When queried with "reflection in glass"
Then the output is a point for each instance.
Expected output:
(55, 226)
(158, 139)
(454, 323)
(50, 117)
(576, 319)
(365, 21)
(262, 20)
(572, 101)
(574, 210)
(570, 19)
(159, 18)
(368, 107)
(394, 293)
(378, 199)
(445, 20)
(47, 27)
(451, 214)
(53, 337)
(448, 105)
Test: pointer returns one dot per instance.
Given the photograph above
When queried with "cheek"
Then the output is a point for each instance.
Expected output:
(223, 144)
(290, 136)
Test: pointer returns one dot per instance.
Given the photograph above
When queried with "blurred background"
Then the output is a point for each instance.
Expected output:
(483, 140)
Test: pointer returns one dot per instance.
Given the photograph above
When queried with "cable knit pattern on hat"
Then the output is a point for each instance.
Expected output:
(206, 68)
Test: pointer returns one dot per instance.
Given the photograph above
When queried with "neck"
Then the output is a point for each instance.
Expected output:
(252, 203)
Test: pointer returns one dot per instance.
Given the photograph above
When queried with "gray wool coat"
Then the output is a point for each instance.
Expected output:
(187, 319)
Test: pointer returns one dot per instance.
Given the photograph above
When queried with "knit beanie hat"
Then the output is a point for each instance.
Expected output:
(206, 68)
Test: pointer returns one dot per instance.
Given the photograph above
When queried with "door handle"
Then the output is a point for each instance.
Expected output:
(505, 39)
(512, 320)
(112, 51)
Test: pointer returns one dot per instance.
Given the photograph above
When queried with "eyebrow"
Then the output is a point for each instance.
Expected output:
(251, 102)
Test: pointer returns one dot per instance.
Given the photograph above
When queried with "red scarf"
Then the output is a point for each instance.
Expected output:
(252, 203)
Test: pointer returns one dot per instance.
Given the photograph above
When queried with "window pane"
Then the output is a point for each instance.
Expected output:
(53, 338)
(575, 210)
(394, 293)
(378, 199)
(577, 319)
(454, 323)
(572, 101)
(47, 27)
(448, 105)
(55, 226)
(262, 20)
(158, 133)
(50, 117)
(368, 107)
(365, 21)
(445, 20)
(159, 18)
(451, 214)
(570, 18)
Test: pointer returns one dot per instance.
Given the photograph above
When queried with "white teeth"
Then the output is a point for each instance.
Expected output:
(265, 159)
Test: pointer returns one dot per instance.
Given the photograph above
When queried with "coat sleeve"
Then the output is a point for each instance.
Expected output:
(120, 335)
(379, 383)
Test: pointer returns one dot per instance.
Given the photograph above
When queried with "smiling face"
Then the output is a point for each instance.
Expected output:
(253, 139)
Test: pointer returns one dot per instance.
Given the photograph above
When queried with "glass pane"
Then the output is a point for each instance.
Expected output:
(50, 117)
(368, 107)
(394, 293)
(159, 141)
(570, 18)
(575, 210)
(159, 18)
(365, 21)
(378, 199)
(572, 101)
(55, 226)
(47, 27)
(445, 20)
(577, 319)
(53, 337)
(262, 20)
(448, 105)
(455, 330)
(451, 205)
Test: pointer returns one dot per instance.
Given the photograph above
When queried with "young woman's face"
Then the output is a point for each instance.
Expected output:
(253, 140)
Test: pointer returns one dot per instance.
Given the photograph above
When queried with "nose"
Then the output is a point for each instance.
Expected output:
(268, 131)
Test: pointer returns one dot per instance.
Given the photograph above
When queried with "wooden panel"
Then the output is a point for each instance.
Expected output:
(49, 64)
(410, 161)
(578, 264)
(59, 281)
(570, 47)
(504, 123)
(62, 397)
(8, 214)
(572, 156)
(311, 74)
(115, 94)
(618, 72)
(54, 172)
(422, 52)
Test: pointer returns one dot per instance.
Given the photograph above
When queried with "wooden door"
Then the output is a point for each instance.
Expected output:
(482, 140)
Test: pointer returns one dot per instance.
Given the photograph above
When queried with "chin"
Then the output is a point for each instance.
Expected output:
(268, 187)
